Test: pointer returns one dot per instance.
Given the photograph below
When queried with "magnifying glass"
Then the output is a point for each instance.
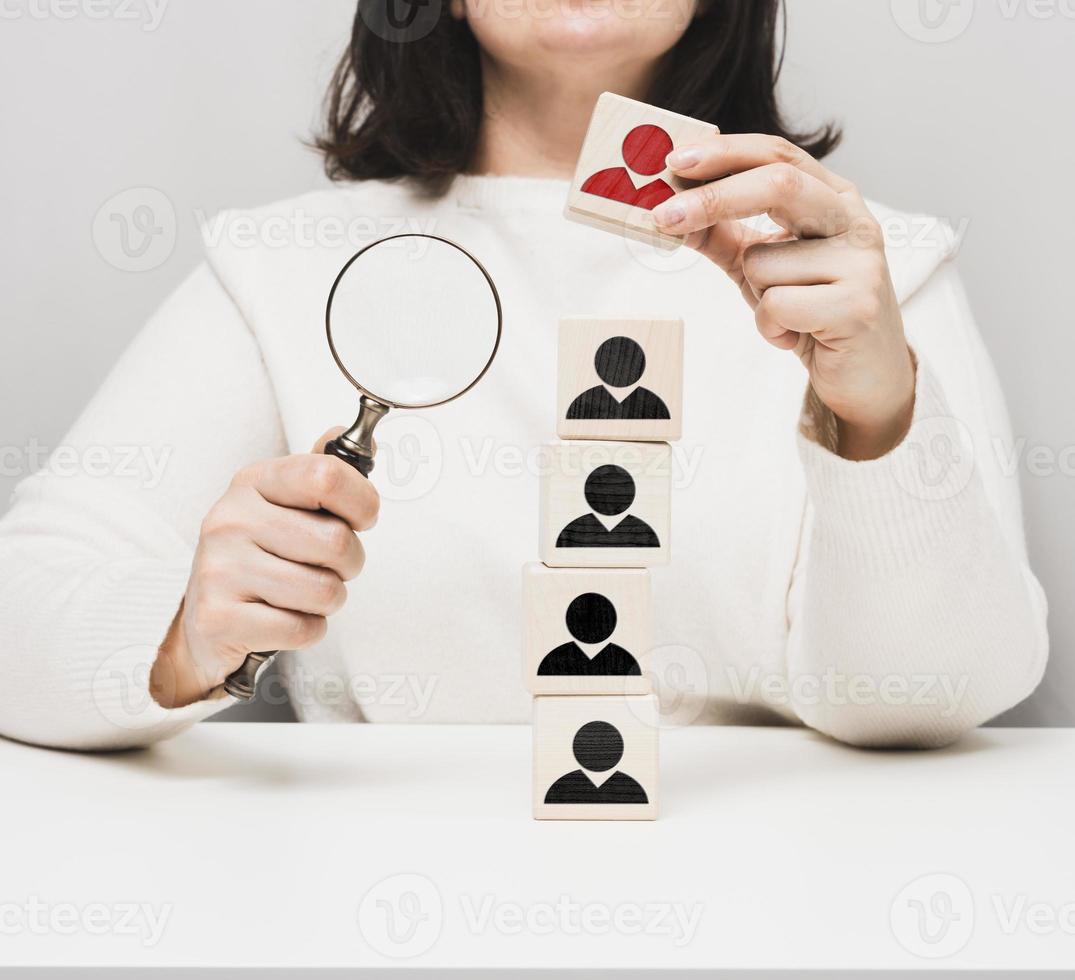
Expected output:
(413, 321)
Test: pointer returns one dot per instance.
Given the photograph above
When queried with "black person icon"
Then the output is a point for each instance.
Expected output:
(591, 618)
(609, 491)
(598, 747)
(620, 362)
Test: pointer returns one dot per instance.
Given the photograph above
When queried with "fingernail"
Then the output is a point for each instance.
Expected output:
(670, 213)
(682, 159)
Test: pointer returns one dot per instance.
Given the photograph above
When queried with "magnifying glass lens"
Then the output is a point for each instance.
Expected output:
(413, 321)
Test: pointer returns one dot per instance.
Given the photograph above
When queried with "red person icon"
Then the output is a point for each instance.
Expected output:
(644, 150)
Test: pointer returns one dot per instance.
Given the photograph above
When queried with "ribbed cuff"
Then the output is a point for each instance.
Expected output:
(124, 612)
(886, 513)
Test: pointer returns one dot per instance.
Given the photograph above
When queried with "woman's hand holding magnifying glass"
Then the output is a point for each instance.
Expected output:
(272, 559)
(821, 285)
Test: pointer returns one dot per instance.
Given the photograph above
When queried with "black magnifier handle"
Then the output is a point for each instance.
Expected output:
(359, 460)
(355, 447)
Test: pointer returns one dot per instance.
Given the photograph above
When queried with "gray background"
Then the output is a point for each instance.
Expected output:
(211, 106)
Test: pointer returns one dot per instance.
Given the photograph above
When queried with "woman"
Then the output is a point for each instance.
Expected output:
(847, 553)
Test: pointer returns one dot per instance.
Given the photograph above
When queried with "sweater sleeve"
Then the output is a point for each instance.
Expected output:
(914, 616)
(96, 549)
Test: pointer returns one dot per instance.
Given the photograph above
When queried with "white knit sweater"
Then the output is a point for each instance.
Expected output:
(885, 602)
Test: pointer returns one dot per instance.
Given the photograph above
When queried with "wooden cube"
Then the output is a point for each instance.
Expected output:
(595, 758)
(606, 505)
(586, 630)
(621, 176)
(620, 378)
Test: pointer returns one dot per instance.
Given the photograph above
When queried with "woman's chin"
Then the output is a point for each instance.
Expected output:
(609, 31)
(597, 32)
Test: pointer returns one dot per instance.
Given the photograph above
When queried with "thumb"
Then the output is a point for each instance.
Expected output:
(319, 446)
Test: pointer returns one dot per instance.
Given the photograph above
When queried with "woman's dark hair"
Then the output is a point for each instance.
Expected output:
(413, 108)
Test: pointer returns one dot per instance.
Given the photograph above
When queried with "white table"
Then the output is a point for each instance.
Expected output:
(256, 845)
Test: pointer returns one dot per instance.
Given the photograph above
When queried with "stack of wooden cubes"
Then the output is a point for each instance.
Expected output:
(606, 495)
(605, 520)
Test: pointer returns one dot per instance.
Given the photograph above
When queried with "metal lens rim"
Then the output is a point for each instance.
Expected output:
(380, 398)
